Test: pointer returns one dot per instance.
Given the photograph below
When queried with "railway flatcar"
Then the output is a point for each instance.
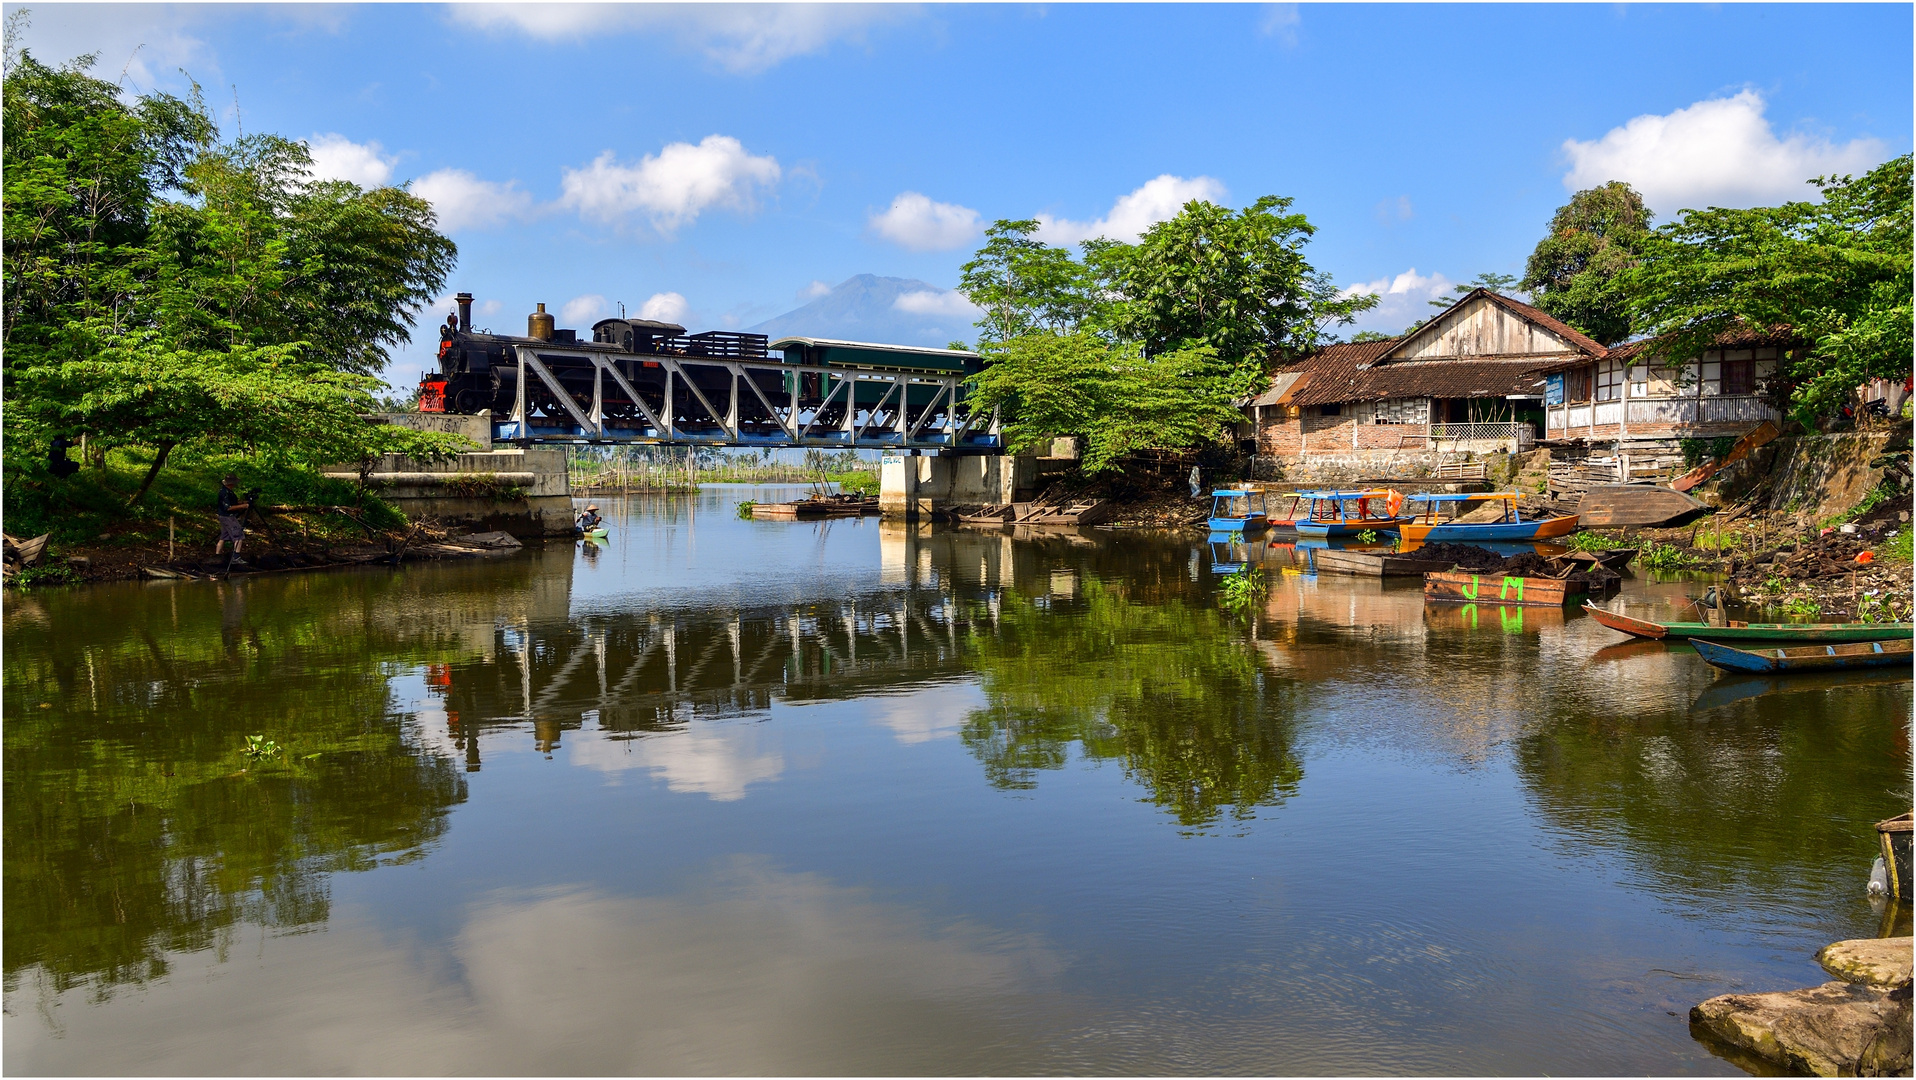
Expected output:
(650, 381)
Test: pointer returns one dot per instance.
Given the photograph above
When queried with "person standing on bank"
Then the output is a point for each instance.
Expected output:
(231, 508)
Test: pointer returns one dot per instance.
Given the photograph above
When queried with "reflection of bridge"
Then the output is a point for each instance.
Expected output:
(644, 673)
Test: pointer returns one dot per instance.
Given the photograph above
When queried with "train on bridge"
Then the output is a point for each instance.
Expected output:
(638, 380)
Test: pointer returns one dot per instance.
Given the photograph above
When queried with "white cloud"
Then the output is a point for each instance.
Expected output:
(813, 291)
(335, 157)
(936, 712)
(719, 761)
(664, 307)
(671, 187)
(606, 982)
(463, 201)
(1158, 200)
(1402, 299)
(1280, 21)
(917, 223)
(741, 38)
(943, 302)
(581, 310)
(1720, 152)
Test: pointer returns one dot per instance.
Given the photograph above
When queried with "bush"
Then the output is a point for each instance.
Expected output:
(1664, 557)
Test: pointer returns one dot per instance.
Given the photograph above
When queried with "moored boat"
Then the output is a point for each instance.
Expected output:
(1464, 587)
(1861, 654)
(1349, 513)
(1428, 520)
(1826, 633)
(1238, 510)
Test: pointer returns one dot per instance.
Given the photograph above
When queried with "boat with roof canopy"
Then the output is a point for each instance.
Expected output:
(1480, 515)
(1349, 513)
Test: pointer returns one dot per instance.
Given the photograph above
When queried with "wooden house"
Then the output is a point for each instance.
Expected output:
(1635, 393)
(1495, 374)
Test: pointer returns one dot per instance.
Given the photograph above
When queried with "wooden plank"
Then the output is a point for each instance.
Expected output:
(1464, 587)
(1637, 506)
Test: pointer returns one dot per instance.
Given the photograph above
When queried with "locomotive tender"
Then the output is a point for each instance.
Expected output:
(639, 380)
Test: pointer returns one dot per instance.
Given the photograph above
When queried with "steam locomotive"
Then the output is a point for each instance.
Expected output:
(646, 380)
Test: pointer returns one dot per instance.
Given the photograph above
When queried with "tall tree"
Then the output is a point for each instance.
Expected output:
(164, 289)
(1838, 271)
(1575, 272)
(1235, 281)
(1024, 285)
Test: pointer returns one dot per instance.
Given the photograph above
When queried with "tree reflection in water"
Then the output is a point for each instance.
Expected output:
(137, 826)
(1170, 689)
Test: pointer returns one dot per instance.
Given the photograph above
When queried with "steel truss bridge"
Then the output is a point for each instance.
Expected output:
(714, 401)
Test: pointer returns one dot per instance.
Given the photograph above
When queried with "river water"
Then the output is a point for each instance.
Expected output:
(729, 796)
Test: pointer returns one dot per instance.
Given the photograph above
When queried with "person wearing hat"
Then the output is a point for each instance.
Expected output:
(589, 518)
(231, 507)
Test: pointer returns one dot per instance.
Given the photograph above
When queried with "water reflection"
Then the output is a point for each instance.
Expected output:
(137, 827)
(850, 797)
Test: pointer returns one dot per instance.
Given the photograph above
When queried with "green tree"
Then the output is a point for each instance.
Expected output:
(1167, 688)
(1575, 272)
(1024, 285)
(1117, 398)
(1236, 281)
(165, 290)
(1837, 271)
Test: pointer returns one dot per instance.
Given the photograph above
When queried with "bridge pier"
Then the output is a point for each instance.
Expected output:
(919, 486)
(523, 492)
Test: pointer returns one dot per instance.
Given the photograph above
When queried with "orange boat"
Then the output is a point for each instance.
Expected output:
(1434, 518)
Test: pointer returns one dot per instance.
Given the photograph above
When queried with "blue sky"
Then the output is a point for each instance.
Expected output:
(716, 163)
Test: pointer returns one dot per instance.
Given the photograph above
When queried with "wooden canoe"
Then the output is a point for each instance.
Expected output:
(1640, 506)
(1463, 587)
(1825, 633)
(1862, 654)
(1373, 563)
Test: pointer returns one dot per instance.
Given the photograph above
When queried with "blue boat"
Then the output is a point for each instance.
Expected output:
(1350, 513)
(1862, 654)
(1239, 510)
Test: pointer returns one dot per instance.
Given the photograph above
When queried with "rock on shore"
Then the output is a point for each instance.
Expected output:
(1858, 1027)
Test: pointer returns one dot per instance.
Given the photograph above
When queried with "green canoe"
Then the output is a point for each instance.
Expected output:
(1825, 633)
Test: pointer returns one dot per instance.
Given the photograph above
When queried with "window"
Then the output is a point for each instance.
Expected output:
(1576, 385)
(1332, 409)
(1609, 381)
(1739, 376)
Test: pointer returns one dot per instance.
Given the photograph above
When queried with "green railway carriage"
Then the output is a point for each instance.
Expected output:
(879, 363)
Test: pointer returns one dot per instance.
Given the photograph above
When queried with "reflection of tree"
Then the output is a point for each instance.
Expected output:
(135, 824)
(1169, 689)
(1774, 795)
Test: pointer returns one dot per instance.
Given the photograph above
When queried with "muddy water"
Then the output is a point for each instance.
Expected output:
(749, 797)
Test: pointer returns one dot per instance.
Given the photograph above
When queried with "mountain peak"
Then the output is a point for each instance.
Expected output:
(865, 307)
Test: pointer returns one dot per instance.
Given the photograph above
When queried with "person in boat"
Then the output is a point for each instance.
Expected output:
(589, 519)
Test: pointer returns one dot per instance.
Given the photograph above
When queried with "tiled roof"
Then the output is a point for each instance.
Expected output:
(1742, 337)
(1343, 372)
(1433, 378)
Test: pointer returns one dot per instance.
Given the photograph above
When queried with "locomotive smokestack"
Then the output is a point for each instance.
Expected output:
(464, 300)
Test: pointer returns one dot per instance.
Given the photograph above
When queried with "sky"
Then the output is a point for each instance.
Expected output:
(716, 165)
